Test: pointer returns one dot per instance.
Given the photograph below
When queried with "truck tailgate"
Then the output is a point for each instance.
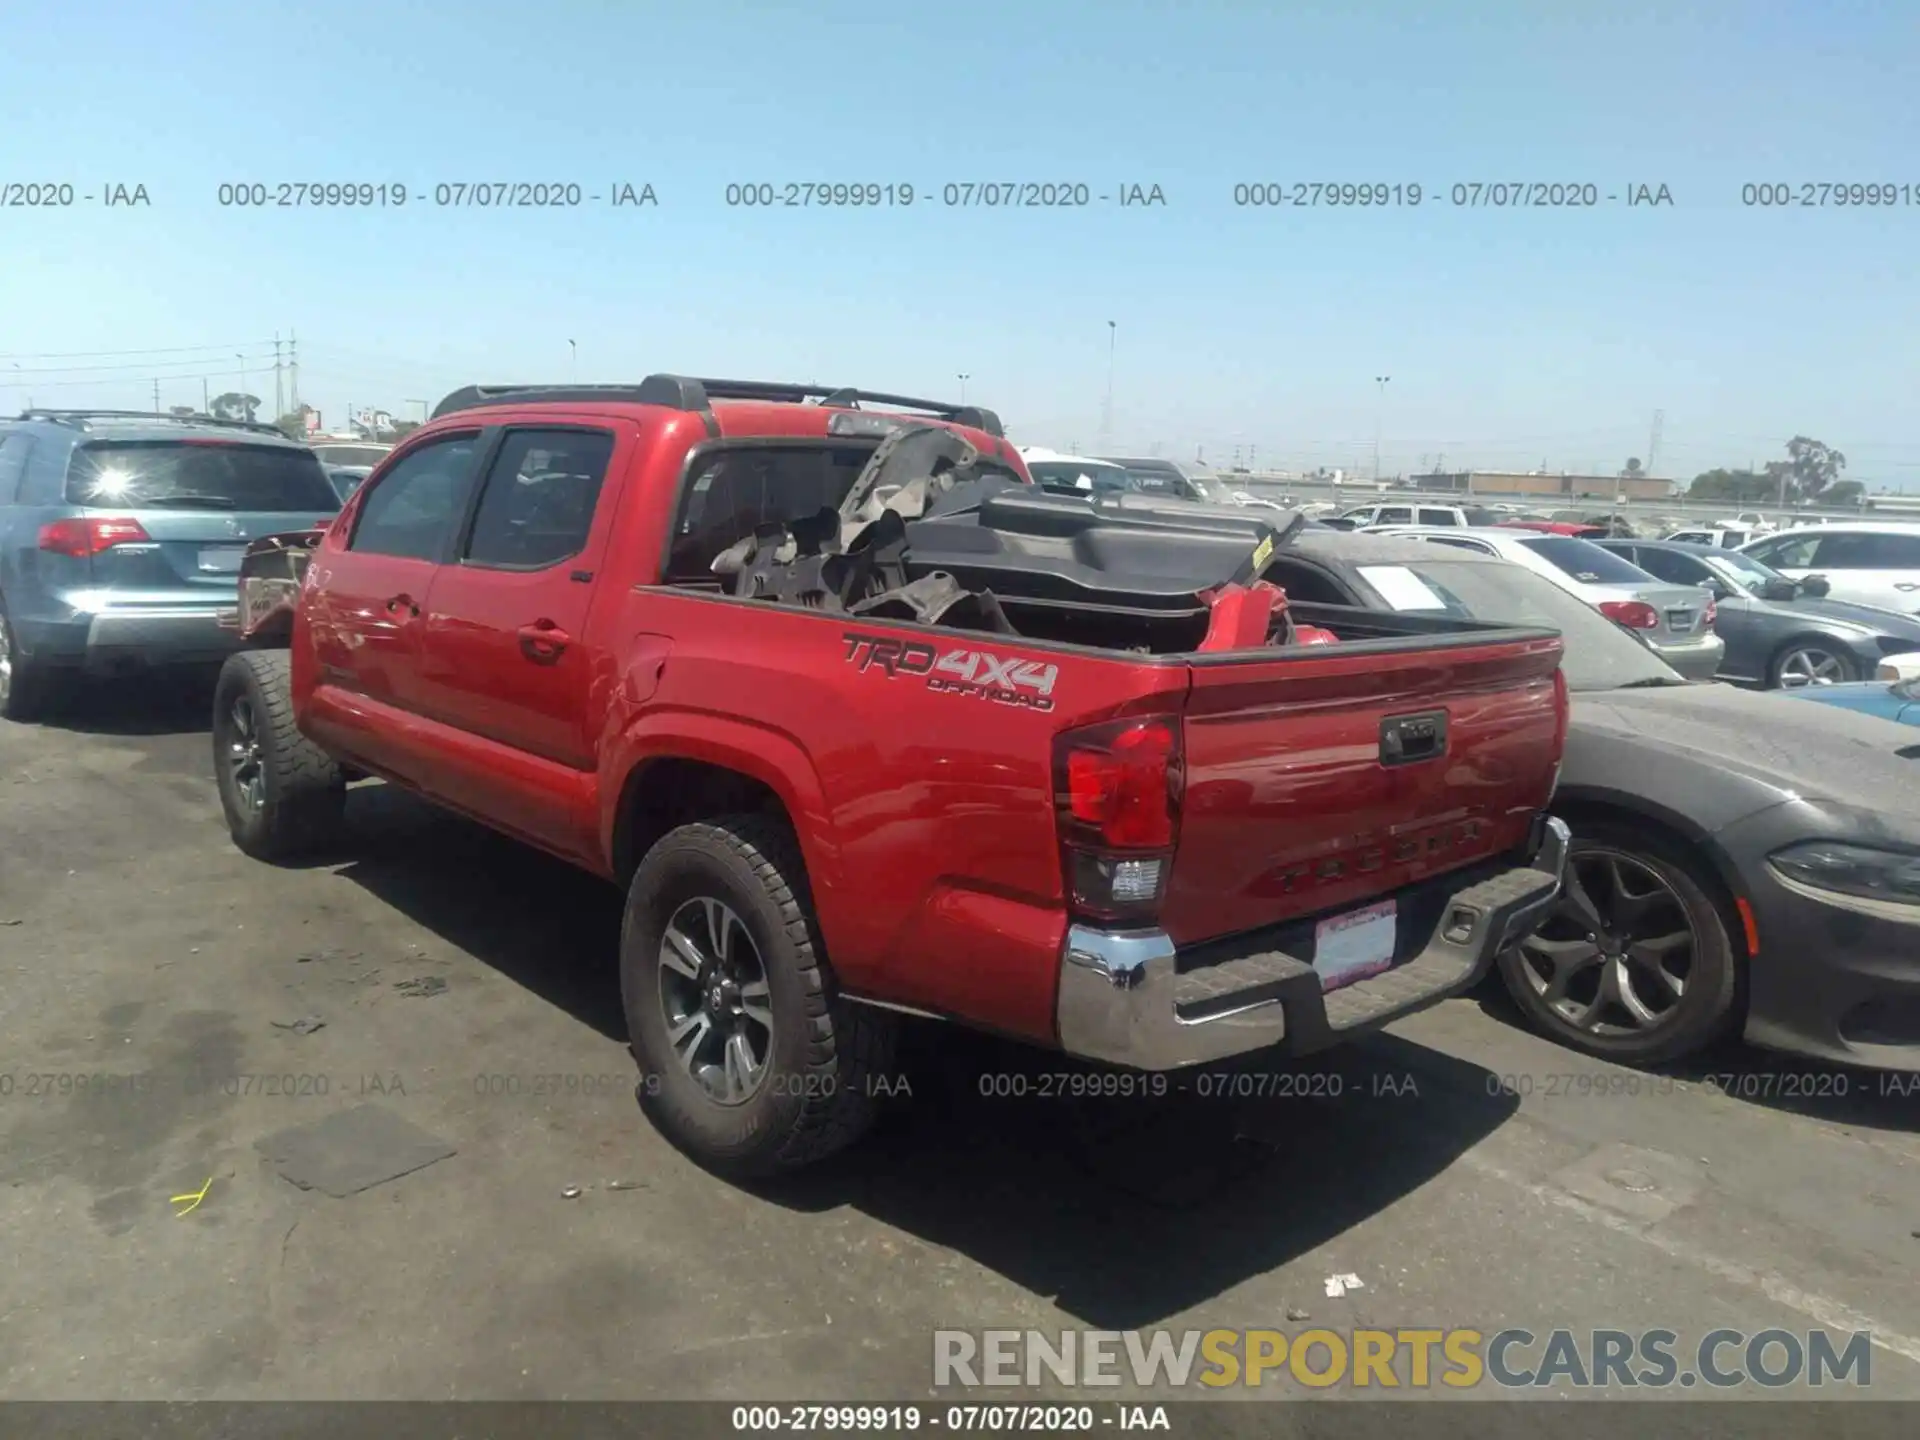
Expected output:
(1323, 780)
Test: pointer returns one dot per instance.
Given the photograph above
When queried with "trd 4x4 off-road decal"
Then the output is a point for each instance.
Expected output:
(1005, 680)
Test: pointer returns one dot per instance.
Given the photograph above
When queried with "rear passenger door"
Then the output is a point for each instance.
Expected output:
(363, 610)
(508, 649)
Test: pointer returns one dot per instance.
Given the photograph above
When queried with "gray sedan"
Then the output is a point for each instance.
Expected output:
(1741, 862)
(1780, 632)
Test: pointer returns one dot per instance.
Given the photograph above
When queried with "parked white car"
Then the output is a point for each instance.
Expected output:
(1371, 517)
(1074, 474)
(1899, 667)
(1866, 562)
(1673, 621)
(1724, 537)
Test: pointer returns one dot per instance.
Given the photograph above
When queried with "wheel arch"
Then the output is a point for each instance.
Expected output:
(1598, 805)
(1809, 637)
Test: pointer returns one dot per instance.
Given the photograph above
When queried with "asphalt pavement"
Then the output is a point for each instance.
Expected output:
(153, 985)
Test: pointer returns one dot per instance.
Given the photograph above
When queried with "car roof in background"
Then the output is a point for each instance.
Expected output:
(84, 425)
(1359, 548)
(1041, 455)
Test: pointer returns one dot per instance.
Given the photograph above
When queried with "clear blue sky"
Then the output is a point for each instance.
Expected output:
(1511, 337)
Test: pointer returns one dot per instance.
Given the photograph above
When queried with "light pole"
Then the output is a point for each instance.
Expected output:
(963, 388)
(573, 361)
(246, 410)
(1106, 414)
(1379, 412)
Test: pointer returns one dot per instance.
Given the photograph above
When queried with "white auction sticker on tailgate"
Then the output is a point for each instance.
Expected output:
(222, 559)
(1353, 946)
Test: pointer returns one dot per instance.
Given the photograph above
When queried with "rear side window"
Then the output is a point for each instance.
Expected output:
(1438, 517)
(419, 503)
(1673, 566)
(198, 475)
(1585, 561)
(1395, 515)
(1868, 552)
(539, 499)
(13, 466)
(735, 490)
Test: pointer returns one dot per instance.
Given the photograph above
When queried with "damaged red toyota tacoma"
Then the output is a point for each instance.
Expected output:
(865, 723)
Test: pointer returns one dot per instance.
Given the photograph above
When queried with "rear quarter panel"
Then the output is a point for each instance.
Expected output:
(925, 818)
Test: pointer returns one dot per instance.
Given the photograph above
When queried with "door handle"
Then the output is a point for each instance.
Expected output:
(406, 603)
(542, 641)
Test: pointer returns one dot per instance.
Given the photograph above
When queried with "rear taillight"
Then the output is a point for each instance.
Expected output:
(1711, 613)
(83, 537)
(1634, 614)
(1117, 791)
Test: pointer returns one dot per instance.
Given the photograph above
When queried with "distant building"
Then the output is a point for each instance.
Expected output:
(1573, 487)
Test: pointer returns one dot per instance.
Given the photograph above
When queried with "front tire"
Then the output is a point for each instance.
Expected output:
(1635, 964)
(1800, 663)
(284, 796)
(751, 1062)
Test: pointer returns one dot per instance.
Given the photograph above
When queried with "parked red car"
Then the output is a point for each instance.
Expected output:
(1559, 527)
(864, 722)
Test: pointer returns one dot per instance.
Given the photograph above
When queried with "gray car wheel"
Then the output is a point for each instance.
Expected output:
(1811, 662)
(26, 687)
(1635, 963)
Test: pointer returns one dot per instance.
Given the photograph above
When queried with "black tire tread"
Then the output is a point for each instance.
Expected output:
(306, 789)
(850, 1042)
(34, 686)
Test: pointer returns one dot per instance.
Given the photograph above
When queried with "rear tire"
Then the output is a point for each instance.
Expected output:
(284, 796)
(719, 942)
(27, 687)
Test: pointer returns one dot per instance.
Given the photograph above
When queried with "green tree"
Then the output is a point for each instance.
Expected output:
(404, 427)
(1738, 486)
(1631, 470)
(1810, 468)
(1843, 492)
(292, 425)
(235, 406)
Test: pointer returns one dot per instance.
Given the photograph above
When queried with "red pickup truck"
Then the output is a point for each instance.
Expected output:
(865, 723)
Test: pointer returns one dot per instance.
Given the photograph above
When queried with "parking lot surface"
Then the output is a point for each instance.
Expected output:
(155, 983)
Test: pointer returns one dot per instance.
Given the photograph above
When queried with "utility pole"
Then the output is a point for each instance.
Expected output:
(1378, 415)
(1253, 467)
(963, 388)
(279, 396)
(156, 397)
(293, 369)
(573, 362)
(1106, 413)
(206, 406)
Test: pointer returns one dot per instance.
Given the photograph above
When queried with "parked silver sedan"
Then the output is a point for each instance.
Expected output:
(1673, 621)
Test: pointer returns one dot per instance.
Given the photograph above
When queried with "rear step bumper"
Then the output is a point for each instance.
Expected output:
(1132, 998)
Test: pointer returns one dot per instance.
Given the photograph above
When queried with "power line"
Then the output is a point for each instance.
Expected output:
(191, 366)
(163, 350)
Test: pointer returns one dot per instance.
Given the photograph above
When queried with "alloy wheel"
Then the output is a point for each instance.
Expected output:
(6, 662)
(244, 760)
(1810, 665)
(715, 1000)
(1615, 955)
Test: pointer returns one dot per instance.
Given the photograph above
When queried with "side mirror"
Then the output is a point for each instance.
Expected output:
(1816, 586)
(1780, 590)
(1719, 589)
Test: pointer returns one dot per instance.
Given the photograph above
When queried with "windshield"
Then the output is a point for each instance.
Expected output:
(1599, 654)
(1742, 572)
(1076, 478)
(1211, 487)
(217, 474)
(1585, 561)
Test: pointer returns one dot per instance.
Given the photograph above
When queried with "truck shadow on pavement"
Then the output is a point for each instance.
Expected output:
(1124, 1209)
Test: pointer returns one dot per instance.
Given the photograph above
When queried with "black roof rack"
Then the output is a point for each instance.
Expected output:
(696, 394)
(81, 417)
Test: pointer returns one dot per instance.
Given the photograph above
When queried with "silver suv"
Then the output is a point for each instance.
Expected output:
(121, 534)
